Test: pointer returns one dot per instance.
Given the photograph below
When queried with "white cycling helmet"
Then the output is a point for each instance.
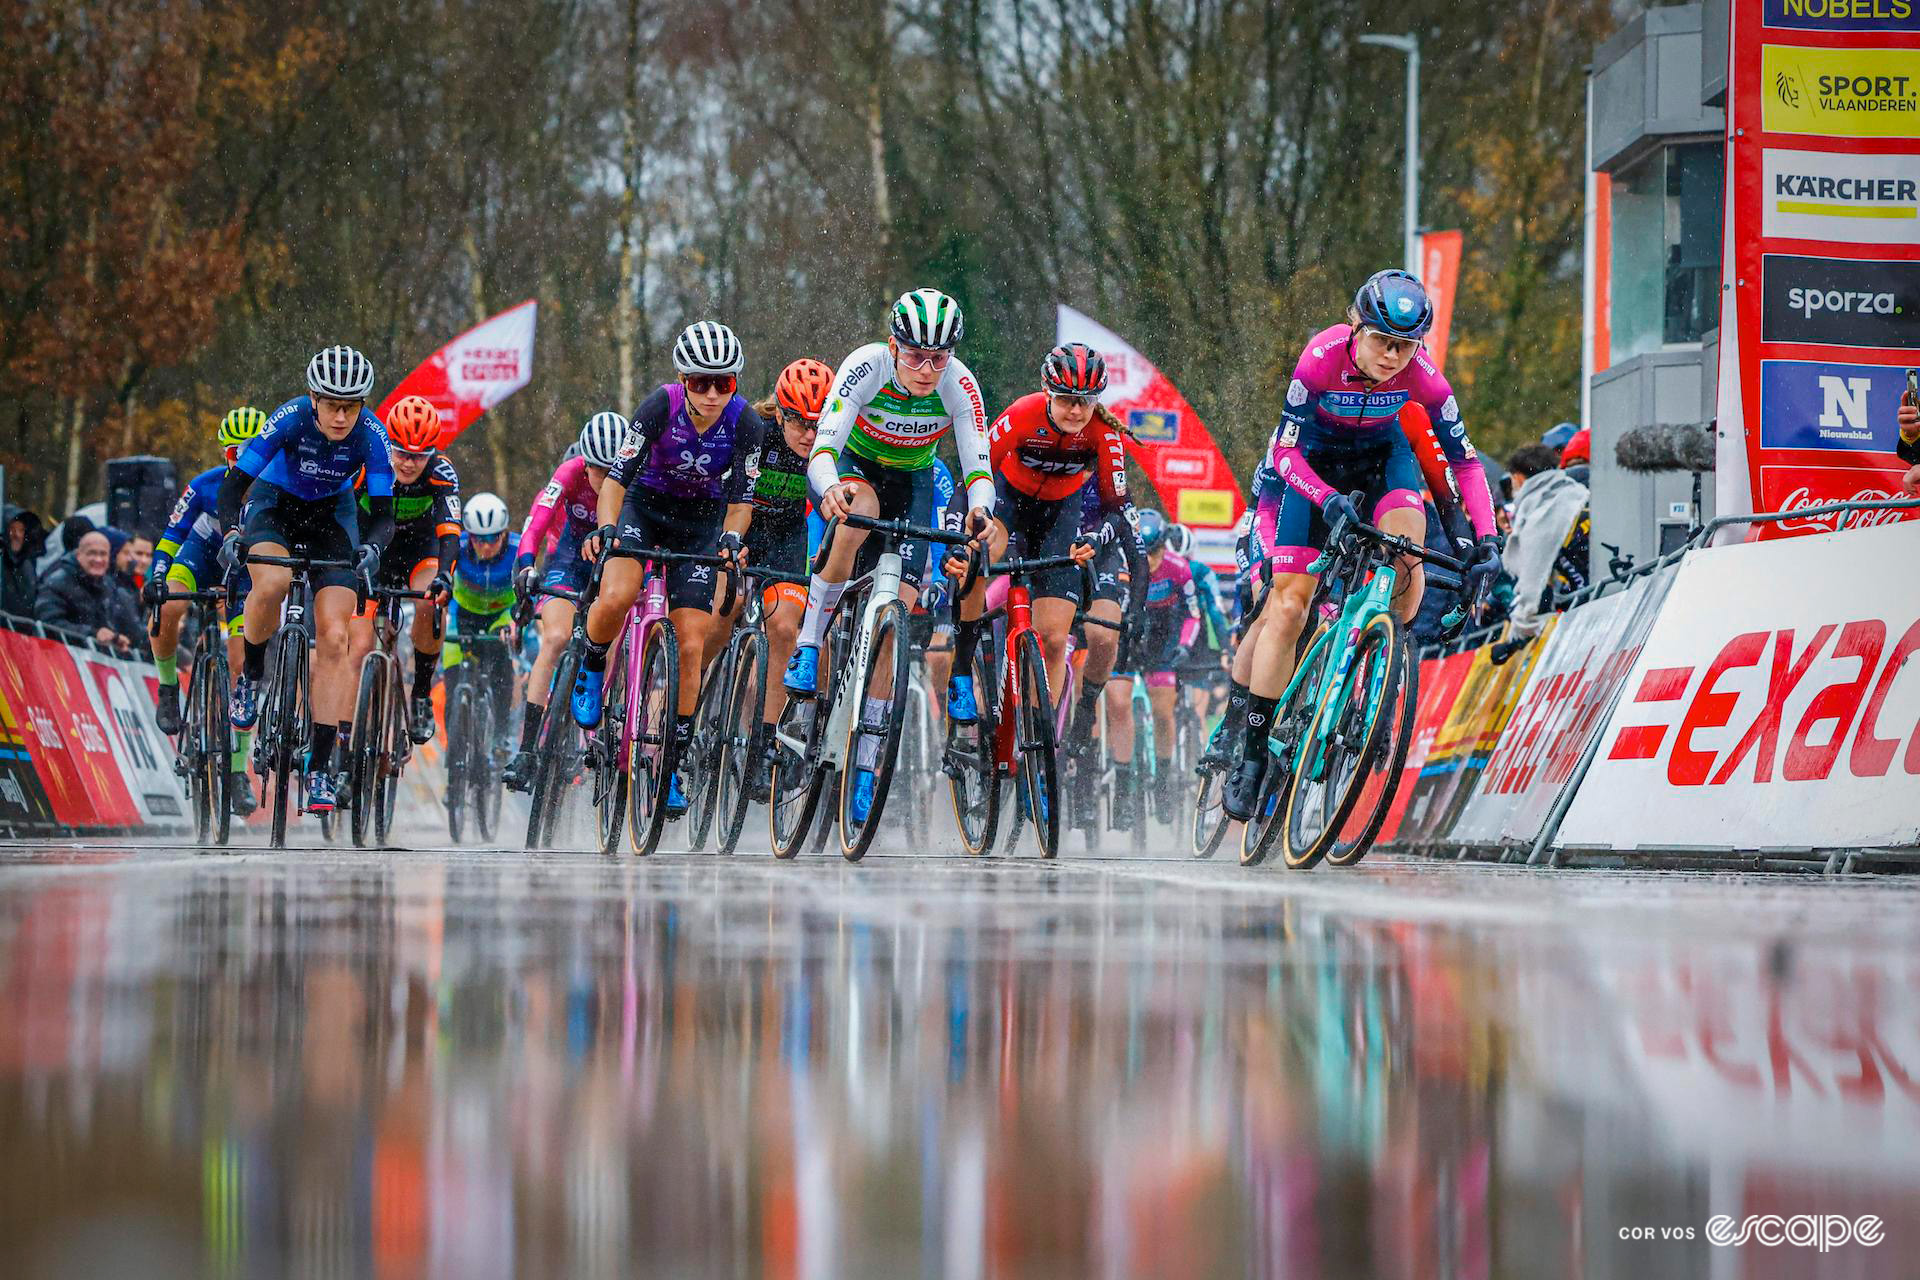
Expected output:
(600, 439)
(486, 516)
(1179, 538)
(708, 347)
(340, 373)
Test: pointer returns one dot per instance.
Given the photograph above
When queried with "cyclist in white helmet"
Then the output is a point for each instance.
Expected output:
(560, 523)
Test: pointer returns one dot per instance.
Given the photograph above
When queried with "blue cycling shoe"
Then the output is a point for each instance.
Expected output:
(587, 688)
(243, 708)
(961, 708)
(861, 803)
(676, 798)
(803, 671)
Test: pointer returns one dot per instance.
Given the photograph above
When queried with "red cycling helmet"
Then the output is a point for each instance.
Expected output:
(803, 387)
(413, 425)
(1074, 369)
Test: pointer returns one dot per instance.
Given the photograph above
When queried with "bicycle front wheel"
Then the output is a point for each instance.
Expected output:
(1341, 740)
(701, 769)
(973, 776)
(1389, 763)
(392, 757)
(610, 753)
(1034, 745)
(363, 762)
(289, 723)
(483, 782)
(554, 746)
(746, 742)
(1289, 723)
(874, 747)
(654, 753)
(459, 760)
(219, 730)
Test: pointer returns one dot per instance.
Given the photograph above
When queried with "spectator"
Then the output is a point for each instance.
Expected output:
(125, 581)
(1577, 458)
(80, 595)
(138, 559)
(19, 572)
(1549, 518)
(70, 530)
(1909, 421)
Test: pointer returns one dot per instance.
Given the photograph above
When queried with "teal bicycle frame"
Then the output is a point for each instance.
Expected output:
(1356, 613)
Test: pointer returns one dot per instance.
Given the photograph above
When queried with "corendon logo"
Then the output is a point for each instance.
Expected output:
(1842, 719)
(1802, 498)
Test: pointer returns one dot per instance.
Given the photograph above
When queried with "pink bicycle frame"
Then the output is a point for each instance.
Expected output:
(648, 609)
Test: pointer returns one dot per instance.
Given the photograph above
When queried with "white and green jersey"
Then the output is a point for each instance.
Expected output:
(872, 415)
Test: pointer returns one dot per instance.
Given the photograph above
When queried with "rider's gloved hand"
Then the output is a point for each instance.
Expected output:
(366, 561)
(526, 580)
(1486, 560)
(602, 540)
(731, 547)
(1182, 655)
(154, 593)
(934, 598)
(440, 588)
(230, 551)
(1339, 507)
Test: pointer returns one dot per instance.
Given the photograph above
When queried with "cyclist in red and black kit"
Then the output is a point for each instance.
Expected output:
(1045, 447)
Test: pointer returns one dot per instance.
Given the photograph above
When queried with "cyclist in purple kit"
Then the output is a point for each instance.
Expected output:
(681, 484)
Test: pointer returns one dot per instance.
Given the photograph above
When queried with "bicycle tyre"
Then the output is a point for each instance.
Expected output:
(459, 718)
(289, 705)
(220, 738)
(702, 773)
(544, 803)
(889, 640)
(1210, 821)
(973, 778)
(746, 701)
(913, 765)
(1034, 745)
(1289, 720)
(195, 749)
(363, 758)
(1346, 853)
(608, 746)
(655, 754)
(1362, 716)
(483, 784)
(393, 760)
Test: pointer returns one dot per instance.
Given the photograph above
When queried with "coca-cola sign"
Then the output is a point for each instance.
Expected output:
(1800, 488)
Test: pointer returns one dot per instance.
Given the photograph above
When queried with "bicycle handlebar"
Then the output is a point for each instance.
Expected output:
(660, 555)
(407, 593)
(202, 595)
(1015, 566)
(296, 562)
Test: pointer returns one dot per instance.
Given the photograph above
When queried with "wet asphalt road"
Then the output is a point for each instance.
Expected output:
(473, 1064)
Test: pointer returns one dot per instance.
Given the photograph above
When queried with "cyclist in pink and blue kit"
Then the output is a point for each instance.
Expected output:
(1169, 624)
(1340, 431)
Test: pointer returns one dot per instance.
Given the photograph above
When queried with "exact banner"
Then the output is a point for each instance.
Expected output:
(476, 371)
(1774, 704)
(1463, 744)
(1821, 248)
(1440, 681)
(1170, 442)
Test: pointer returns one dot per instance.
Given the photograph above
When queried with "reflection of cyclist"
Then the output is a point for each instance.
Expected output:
(1339, 430)
(301, 469)
(1169, 624)
(483, 602)
(426, 542)
(187, 555)
(680, 485)
(565, 511)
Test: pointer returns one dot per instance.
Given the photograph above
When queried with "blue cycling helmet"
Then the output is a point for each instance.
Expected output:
(1557, 437)
(1153, 530)
(1395, 303)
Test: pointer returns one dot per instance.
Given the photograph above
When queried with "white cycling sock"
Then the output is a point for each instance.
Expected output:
(873, 716)
(822, 596)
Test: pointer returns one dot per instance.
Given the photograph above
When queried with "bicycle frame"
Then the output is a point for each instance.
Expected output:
(1358, 610)
(883, 589)
(649, 609)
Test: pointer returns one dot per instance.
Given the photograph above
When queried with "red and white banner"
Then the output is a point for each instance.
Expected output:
(1169, 442)
(474, 372)
(1774, 704)
(1821, 249)
(1440, 273)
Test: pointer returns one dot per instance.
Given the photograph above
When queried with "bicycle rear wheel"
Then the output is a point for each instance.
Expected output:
(973, 777)
(746, 735)
(1289, 722)
(1384, 776)
(654, 751)
(459, 759)
(363, 761)
(553, 746)
(1034, 745)
(702, 767)
(483, 782)
(1328, 782)
(889, 644)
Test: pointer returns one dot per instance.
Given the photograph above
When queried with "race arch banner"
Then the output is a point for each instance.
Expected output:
(1775, 704)
(1169, 441)
(474, 372)
(1821, 254)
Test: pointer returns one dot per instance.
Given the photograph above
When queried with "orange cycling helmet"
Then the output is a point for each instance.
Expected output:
(803, 387)
(413, 425)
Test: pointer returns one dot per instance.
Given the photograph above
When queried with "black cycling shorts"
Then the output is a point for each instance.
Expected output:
(689, 525)
(325, 529)
(1110, 575)
(1039, 529)
(414, 544)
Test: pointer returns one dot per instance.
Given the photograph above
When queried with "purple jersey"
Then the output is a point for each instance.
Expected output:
(663, 450)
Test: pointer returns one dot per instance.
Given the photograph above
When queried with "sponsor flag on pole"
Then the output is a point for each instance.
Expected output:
(1169, 442)
(1440, 273)
(474, 372)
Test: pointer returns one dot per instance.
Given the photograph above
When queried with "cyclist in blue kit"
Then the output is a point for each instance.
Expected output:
(300, 471)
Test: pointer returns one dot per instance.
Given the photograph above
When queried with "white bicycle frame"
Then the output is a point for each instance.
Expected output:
(885, 590)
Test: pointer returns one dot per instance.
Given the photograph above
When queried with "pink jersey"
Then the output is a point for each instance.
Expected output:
(1170, 586)
(568, 506)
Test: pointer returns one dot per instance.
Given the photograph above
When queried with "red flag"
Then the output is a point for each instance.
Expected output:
(474, 372)
(1440, 273)
(1169, 441)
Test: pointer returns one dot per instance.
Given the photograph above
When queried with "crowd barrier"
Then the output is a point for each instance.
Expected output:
(1753, 703)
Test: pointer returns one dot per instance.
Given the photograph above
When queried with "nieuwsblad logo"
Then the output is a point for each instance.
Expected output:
(1806, 404)
(1819, 195)
(1839, 302)
(1841, 93)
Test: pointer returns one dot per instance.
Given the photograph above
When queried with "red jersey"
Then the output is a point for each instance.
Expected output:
(1044, 462)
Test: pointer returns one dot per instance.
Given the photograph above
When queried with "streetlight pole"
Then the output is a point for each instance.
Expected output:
(1409, 45)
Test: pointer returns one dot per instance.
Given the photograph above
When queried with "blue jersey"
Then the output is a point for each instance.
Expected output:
(291, 454)
(484, 586)
(942, 503)
(195, 523)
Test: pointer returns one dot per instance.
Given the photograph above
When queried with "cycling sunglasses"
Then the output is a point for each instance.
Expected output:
(921, 358)
(1067, 400)
(798, 421)
(705, 384)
